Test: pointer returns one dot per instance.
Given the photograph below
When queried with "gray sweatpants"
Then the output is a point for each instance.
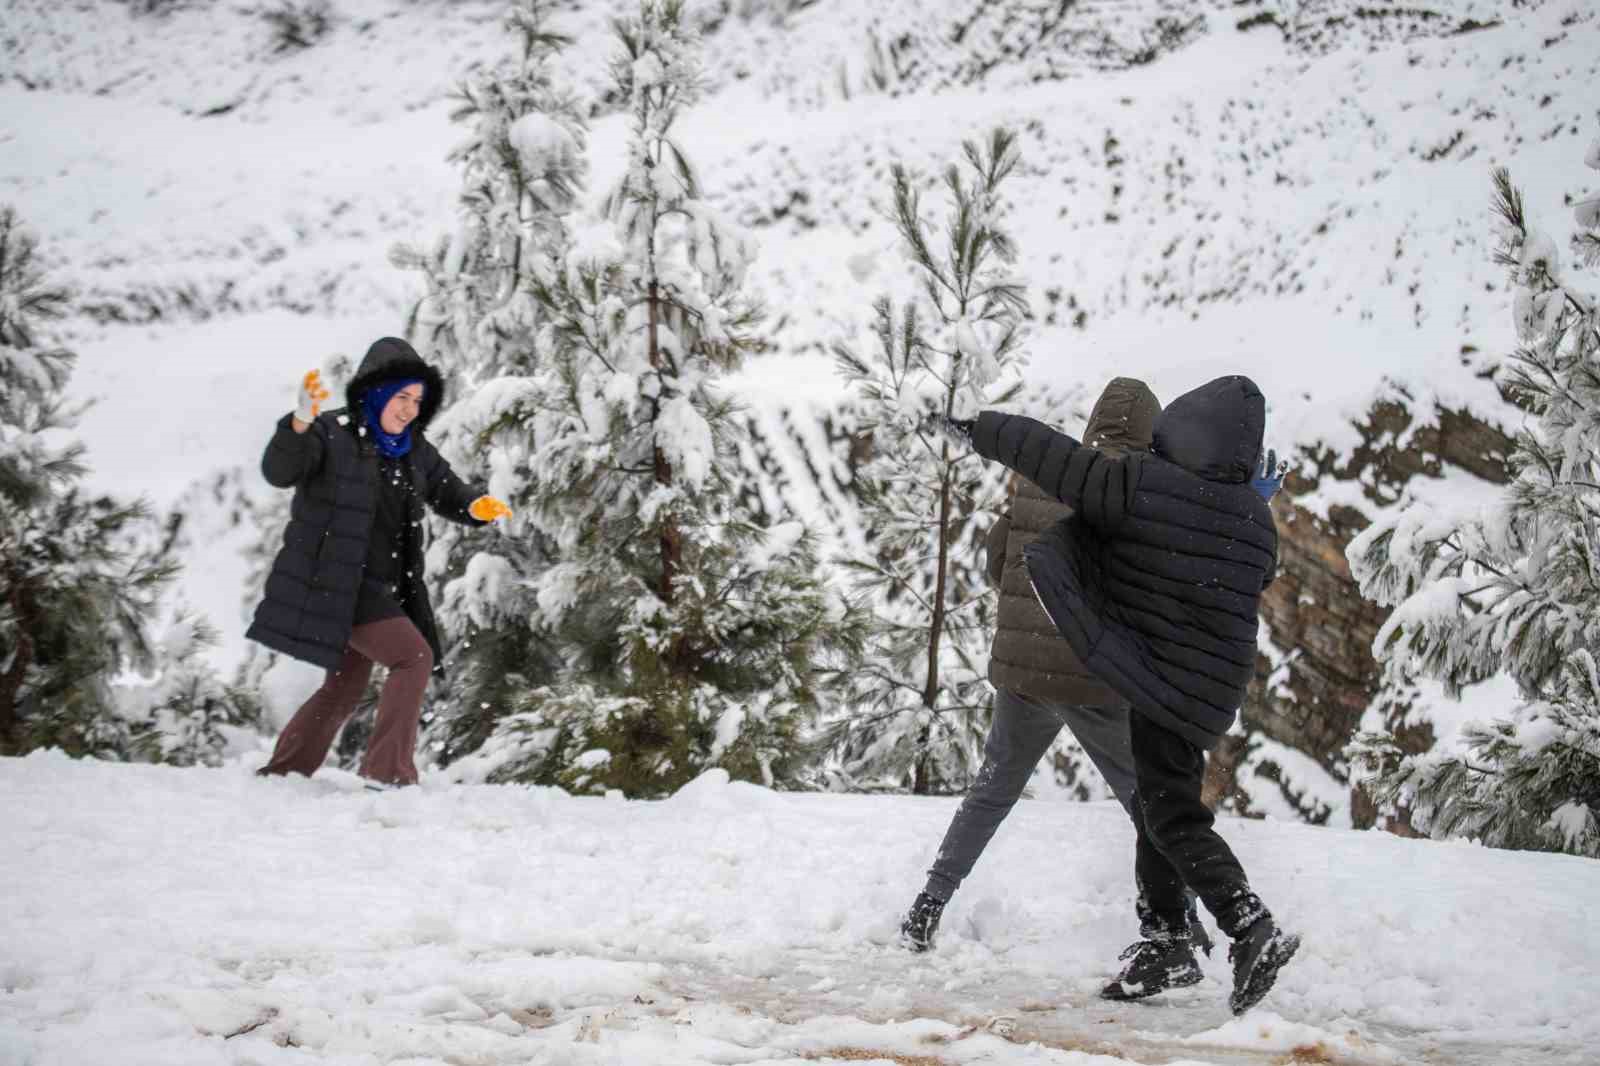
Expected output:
(1022, 731)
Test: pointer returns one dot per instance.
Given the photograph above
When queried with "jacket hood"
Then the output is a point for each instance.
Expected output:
(390, 359)
(1124, 418)
(1214, 431)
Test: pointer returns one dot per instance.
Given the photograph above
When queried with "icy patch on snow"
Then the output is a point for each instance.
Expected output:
(1262, 1030)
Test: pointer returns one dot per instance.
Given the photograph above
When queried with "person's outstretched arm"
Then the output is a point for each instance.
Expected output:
(1094, 484)
(294, 454)
(452, 498)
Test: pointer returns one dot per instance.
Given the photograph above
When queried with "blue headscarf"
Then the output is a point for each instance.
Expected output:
(373, 401)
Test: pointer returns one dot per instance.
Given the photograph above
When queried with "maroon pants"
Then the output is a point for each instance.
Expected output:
(395, 643)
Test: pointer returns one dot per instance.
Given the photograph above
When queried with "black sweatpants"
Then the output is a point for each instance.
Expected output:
(1177, 843)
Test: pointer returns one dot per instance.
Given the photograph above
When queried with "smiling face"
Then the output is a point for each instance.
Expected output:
(402, 409)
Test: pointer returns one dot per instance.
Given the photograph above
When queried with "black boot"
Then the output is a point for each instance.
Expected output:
(1257, 955)
(1155, 964)
(920, 926)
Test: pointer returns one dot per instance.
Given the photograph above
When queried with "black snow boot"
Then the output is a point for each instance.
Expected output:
(920, 926)
(1257, 955)
(1155, 964)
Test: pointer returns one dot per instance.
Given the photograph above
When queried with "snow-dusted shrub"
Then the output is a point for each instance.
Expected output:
(185, 716)
(1514, 588)
(298, 24)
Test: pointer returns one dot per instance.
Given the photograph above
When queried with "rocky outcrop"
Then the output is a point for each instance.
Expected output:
(1313, 700)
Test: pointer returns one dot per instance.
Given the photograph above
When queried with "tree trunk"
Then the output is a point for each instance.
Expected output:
(11, 680)
(930, 691)
(922, 779)
(671, 539)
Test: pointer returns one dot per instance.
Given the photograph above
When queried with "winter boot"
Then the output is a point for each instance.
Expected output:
(1155, 964)
(920, 926)
(1257, 955)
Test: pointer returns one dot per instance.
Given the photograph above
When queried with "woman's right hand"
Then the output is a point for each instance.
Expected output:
(312, 394)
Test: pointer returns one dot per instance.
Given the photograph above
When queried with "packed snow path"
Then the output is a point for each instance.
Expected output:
(161, 916)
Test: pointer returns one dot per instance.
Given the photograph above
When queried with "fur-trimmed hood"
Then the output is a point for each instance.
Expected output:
(390, 359)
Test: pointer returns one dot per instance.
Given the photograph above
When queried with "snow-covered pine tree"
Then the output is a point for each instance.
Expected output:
(79, 574)
(690, 631)
(1514, 588)
(523, 165)
(919, 703)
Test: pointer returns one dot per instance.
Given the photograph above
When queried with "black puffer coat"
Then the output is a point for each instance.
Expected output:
(309, 606)
(1029, 655)
(1156, 579)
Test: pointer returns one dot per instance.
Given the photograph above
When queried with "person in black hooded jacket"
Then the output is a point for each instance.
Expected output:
(1155, 581)
(346, 590)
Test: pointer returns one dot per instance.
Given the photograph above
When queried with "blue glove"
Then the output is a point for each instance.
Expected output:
(957, 430)
(1269, 478)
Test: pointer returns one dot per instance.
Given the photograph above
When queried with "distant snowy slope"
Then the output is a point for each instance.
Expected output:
(1298, 191)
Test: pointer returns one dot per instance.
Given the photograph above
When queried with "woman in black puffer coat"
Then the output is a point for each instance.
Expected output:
(346, 589)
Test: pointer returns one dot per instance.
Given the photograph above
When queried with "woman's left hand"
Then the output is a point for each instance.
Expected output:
(487, 509)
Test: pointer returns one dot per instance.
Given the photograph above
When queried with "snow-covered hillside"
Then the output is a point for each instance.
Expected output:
(167, 917)
(1295, 191)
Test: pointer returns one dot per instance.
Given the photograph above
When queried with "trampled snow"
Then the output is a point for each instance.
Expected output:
(160, 916)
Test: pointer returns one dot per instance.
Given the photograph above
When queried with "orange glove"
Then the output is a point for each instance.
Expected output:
(312, 393)
(487, 509)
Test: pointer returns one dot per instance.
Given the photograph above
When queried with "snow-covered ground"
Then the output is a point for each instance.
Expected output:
(168, 917)
(1319, 221)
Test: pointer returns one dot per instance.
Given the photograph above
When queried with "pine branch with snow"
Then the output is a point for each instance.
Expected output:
(183, 715)
(919, 704)
(1514, 588)
(523, 164)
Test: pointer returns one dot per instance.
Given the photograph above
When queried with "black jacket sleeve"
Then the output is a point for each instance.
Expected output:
(446, 493)
(292, 458)
(1095, 485)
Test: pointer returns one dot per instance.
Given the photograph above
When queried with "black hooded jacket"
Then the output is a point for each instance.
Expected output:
(309, 605)
(1156, 579)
